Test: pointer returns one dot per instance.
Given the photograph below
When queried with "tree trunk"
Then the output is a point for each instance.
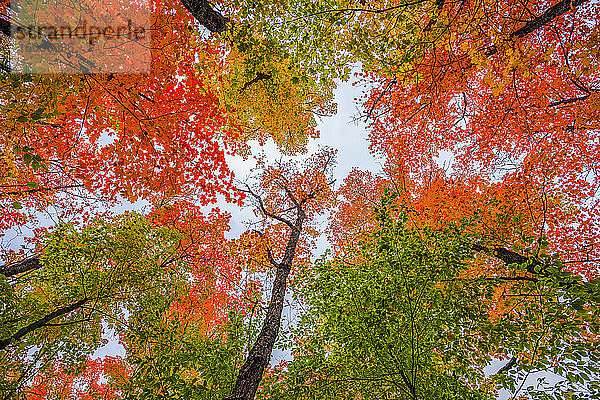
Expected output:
(19, 267)
(41, 322)
(5, 27)
(251, 372)
(508, 257)
(590, 289)
(548, 16)
(203, 12)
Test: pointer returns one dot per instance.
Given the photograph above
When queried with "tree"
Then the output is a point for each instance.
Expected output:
(399, 317)
(223, 101)
(290, 196)
(150, 137)
(206, 15)
(155, 137)
(509, 93)
(90, 280)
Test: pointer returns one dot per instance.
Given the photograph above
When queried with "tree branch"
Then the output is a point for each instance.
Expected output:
(41, 323)
(568, 101)
(262, 208)
(433, 21)
(548, 16)
(19, 267)
(511, 363)
(494, 278)
(510, 257)
(259, 77)
(206, 15)
(5, 27)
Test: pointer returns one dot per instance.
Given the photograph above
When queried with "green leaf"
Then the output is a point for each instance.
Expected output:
(16, 205)
(33, 185)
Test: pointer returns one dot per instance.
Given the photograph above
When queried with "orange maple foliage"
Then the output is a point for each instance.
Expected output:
(151, 136)
(512, 96)
(212, 263)
(88, 384)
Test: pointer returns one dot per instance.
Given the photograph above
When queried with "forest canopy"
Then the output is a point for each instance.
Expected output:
(121, 276)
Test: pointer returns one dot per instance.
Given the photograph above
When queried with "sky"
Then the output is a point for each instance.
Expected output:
(339, 131)
(350, 138)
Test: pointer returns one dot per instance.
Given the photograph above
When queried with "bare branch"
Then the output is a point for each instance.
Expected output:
(206, 15)
(19, 267)
(262, 208)
(511, 363)
(548, 16)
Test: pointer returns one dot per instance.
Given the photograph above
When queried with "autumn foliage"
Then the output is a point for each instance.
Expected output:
(474, 247)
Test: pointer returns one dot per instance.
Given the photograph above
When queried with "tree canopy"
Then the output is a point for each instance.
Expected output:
(472, 278)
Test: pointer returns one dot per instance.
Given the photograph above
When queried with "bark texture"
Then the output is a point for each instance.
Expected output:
(508, 257)
(535, 267)
(21, 333)
(548, 16)
(5, 27)
(251, 372)
(204, 14)
(20, 267)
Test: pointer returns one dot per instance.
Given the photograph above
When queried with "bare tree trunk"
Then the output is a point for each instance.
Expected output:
(251, 372)
(19, 267)
(41, 322)
(204, 13)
